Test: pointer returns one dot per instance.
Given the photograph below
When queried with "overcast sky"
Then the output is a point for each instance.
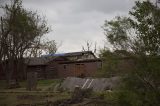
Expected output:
(74, 22)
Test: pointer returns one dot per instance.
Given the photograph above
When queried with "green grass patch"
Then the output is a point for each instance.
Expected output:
(48, 82)
(41, 85)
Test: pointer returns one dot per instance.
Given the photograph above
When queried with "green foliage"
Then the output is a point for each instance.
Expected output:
(139, 33)
(127, 98)
(131, 98)
(24, 26)
(117, 31)
(146, 22)
(20, 30)
(114, 63)
(109, 67)
(141, 85)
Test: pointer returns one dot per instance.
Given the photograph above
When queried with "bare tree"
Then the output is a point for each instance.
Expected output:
(41, 47)
(50, 47)
(90, 47)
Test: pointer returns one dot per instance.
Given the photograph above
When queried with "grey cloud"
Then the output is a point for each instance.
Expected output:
(76, 21)
(106, 6)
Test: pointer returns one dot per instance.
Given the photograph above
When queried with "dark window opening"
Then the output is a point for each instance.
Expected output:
(64, 66)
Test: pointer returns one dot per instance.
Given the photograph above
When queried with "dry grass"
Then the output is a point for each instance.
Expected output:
(14, 97)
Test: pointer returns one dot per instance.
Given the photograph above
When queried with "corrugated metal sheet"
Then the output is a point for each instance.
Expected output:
(97, 84)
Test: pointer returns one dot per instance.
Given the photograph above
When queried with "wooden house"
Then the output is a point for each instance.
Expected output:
(79, 64)
(82, 68)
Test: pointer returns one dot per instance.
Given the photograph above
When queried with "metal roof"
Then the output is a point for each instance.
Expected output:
(38, 60)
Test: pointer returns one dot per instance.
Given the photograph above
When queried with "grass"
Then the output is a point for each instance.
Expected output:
(13, 97)
(2, 84)
(19, 96)
(48, 82)
(45, 84)
(41, 85)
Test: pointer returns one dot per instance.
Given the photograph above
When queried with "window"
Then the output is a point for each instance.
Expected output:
(51, 68)
(64, 66)
(38, 68)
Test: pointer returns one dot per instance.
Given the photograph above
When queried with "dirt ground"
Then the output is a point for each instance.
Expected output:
(30, 98)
